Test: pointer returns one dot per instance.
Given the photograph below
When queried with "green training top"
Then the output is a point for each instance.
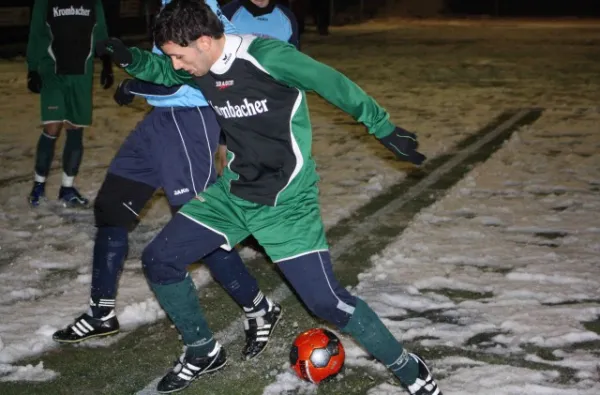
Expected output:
(62, 35)
(258, 90)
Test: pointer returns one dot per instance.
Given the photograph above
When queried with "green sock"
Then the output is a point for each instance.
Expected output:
(44, 154)
(73, 152)
(368, 330)
(180, 302)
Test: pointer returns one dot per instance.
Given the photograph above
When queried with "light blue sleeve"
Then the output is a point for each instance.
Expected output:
(229, 28)
(155, 49)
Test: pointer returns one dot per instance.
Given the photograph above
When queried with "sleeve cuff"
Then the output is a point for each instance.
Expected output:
(384, 130)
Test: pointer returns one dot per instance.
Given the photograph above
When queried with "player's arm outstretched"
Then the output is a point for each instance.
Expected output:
(291, 67)
(144, 65)
(129, 88)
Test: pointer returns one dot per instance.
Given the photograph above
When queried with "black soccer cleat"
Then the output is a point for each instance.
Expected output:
(70, 197)
(87, 327)
(259, 330)
(425, 384)
(187, 369)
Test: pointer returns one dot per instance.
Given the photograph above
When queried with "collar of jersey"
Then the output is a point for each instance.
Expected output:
(233, 43)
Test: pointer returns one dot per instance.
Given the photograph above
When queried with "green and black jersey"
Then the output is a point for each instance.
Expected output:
(62, 35)
(257, 88)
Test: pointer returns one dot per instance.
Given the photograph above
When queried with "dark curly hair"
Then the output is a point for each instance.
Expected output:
(184, 21)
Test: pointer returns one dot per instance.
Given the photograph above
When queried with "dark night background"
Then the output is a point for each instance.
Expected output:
(131, 17)
(579, 8)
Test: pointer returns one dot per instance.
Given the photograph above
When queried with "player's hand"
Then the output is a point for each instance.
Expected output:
(107, 77)
(221, 159)
(34, 81)
(122, 95)
(404, 144)
(118, 52)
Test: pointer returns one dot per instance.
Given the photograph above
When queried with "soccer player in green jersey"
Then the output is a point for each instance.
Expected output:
(60, 60)
(258, 89)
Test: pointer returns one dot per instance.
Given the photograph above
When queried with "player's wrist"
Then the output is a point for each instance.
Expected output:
(385, 130)
(116, 50)
(133, 60)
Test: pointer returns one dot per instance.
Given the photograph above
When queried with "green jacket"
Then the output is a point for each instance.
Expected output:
(63, 34)
(258, 90)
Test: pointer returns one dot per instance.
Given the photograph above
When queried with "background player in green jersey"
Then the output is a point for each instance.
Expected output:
(269, 188)
(60, 60)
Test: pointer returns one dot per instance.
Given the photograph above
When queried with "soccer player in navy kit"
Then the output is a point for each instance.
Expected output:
(171, 148)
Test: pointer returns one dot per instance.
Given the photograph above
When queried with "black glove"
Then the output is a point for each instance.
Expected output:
(34, 81)
(106, 75)
(122, 95)
(116, 50)
(404, 144)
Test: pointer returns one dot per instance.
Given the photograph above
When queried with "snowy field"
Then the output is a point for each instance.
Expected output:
(500, 278)
(507, 264)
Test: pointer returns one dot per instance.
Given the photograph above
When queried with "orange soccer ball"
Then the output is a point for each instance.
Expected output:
(317, 355)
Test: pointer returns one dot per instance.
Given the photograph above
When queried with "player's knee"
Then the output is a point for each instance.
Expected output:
(109, 211)
(53, 128)
(159, 267)
(335, 309)
(152, 262)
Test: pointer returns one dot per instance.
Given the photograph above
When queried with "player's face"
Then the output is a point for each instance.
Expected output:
(261, 3)
(192, 58)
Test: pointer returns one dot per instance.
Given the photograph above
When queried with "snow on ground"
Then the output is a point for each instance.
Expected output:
(520, 231)
(518, 236)
(45, 267)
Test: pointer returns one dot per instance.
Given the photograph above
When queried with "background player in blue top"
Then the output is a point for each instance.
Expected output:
(263, 18)
(172, 148)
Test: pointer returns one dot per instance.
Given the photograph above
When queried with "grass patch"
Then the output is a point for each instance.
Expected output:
(459, 295)
(593, 326)
(484, 339)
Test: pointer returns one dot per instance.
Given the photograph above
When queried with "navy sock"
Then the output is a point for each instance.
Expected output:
(229, 270)
(110, 250)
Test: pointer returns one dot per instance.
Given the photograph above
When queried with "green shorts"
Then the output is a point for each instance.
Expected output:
(66, 98)
(294, 227)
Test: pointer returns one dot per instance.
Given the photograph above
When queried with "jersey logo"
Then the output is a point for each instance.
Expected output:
(221, 85)
(56, 12)
(246, 109)
(227, 57)
(181, 191)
